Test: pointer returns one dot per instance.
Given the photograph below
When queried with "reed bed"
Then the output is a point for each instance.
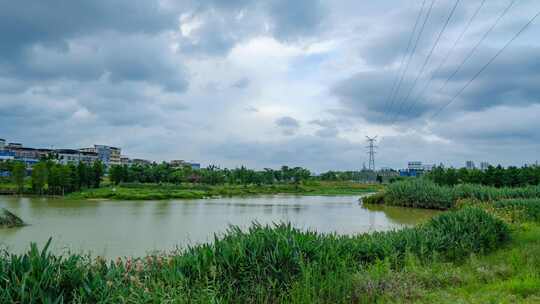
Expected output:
(422, 193)
(264, 264)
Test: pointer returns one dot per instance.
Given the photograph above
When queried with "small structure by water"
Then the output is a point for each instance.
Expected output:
(9, 220)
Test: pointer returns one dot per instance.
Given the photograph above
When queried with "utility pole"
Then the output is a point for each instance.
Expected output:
(371, 151)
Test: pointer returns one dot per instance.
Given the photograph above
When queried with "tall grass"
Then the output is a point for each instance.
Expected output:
(278, 264)
(518, 210)
(422, 193)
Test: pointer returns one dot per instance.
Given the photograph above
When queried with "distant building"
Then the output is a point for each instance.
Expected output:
(470, 165)
(415, 165)
(2, 144)
(484, 166)
(140, 162)
(6, 155)
(178, 163)
(183, 163)
(29, 156)
(70, 156)
(14, 145)
(416, 168)
(125, 161)
(195, 166)
(428, 167)
(109, 156)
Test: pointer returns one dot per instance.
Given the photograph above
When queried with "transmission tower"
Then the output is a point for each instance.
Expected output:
(371, 152)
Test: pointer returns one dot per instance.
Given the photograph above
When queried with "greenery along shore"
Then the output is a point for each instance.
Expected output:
(161, 181)
(198, 191)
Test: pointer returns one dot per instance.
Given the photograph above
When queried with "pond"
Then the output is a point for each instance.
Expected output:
(136, 228)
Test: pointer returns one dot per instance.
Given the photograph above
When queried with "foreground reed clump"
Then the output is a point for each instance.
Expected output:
(8, 219)
(278, 264)
(422, 193)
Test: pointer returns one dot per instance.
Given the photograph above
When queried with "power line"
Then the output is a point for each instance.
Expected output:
(473, 50)
(426, 61)
(445, 59)
(412, 53)
(487, 64)
(391, 94)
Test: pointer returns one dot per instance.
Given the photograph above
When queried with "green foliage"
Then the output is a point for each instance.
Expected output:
(18, 174)
(520, 209)
(263, 264)
(212, 175)
(423, 193)
(493, 176)
(39, 177)
(419, 193)
(137, 191)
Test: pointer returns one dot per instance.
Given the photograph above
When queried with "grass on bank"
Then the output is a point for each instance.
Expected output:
(422, 193)
(193, 191)
(262, 265)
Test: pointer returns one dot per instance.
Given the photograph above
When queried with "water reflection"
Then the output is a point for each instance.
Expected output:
(119, 228)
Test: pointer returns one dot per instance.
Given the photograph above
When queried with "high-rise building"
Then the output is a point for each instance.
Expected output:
(470, 165)
(484, 166)
(2, 144)
(109, 156)
(415, 165)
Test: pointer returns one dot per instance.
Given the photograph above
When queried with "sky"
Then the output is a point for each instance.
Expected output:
(275, 82)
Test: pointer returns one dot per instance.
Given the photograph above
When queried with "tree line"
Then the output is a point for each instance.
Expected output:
(212, 175)
(493, 176)
(49, 177)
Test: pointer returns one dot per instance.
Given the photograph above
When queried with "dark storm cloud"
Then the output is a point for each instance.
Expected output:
(388, 44)
(296, 19)
(289, 126)
(496, 126)
(328, 128)
(369, 95)
(51, 23)
(85, 40)
(510, 80)
(224, 23)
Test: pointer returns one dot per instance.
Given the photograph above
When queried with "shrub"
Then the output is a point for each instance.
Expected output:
(419, 193)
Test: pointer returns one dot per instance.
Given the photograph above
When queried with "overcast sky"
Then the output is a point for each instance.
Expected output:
(266, 83)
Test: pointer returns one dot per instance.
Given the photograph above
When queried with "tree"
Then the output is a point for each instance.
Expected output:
(18, 174)
(39, 177)
(97, 174)
(116, 174)
(55, 179)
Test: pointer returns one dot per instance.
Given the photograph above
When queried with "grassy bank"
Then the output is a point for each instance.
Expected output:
(421, 193)
(262, 265)
(194, 191)
(509, 275)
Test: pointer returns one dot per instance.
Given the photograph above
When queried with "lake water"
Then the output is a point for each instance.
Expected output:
(135, 228)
